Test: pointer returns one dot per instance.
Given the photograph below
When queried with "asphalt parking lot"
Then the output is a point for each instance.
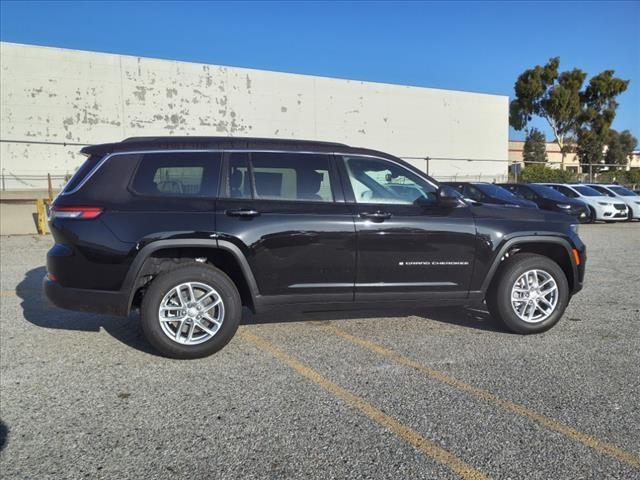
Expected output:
(431, 394)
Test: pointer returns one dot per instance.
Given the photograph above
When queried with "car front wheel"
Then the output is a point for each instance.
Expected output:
(530, 294)
(190, 312)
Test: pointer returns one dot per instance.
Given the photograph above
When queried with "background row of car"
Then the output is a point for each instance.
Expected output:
(585, 202)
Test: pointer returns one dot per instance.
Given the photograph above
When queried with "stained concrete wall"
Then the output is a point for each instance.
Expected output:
(57, 96)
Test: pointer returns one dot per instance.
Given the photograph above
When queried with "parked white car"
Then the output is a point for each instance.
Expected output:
(602, 207)
(618, 192)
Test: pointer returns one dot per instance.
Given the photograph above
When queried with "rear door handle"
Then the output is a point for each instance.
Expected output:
(376, 216)
(242, 212)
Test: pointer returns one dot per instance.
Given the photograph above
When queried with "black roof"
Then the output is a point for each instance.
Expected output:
(212, 143)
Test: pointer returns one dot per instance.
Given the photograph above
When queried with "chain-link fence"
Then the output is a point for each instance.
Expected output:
(441, 168)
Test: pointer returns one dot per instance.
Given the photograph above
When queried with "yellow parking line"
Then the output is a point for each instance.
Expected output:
(407, 434)
(588, 440)
(7, 293)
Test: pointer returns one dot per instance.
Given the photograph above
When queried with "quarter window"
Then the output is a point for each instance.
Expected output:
(177, 174)
(380, 181)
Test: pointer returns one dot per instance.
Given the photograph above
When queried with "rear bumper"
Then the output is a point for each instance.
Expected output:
(85, 300)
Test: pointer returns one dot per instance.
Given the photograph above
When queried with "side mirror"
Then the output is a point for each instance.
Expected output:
(447, 197)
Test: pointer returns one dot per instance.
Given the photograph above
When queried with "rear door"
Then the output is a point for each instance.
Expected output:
(408, 246)
(286, 212)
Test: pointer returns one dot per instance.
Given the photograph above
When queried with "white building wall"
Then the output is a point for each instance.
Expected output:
(56, 96)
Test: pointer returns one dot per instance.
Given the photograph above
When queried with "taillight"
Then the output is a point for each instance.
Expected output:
(79, 213)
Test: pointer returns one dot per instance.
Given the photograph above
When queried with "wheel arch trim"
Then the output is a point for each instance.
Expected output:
(497, 261)
(135, 270)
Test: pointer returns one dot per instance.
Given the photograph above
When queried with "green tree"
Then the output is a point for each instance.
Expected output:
(555, 97)
(539, 172)
(535, 147)
(598, 111)
(620, 147)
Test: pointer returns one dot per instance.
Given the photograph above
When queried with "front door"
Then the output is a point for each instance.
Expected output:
(285, 211)
(408, 246)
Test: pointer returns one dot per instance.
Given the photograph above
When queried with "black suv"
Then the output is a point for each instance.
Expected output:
(549, 199)
(192, 229)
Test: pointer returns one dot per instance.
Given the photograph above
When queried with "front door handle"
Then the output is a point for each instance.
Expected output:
(377, 216)
(242, 212)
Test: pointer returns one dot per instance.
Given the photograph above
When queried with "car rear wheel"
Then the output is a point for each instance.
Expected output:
(530, 293)
(190, 312)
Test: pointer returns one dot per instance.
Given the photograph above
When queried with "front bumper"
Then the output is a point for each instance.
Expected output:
(611, 213)
(581, 214)
(85, 300)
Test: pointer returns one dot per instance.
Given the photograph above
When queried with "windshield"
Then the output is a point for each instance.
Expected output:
(624, 192)
(495, 191)
(586, 191)
(548, 192)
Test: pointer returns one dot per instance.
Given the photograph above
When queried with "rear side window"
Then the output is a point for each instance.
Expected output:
(280, 176)
(239, 182)
(190, 174)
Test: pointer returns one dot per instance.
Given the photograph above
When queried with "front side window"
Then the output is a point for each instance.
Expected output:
(527, 194)
(495, 191)
(190, 174)
(472, 192)
(548, 192)
(380, 181)
(566, 191)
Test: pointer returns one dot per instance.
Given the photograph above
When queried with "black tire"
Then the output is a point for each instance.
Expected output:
(592, 217)
(499, 297)
(164, 283)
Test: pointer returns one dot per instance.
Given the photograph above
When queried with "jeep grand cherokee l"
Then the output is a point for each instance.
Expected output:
(192, 229)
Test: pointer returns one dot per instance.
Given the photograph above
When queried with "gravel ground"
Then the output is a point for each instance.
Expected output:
(84, 395)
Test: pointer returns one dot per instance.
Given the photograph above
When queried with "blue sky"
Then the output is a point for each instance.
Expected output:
(475, 46)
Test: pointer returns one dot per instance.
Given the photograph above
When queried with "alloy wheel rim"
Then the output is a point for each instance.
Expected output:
(534, 296)
(191, 313)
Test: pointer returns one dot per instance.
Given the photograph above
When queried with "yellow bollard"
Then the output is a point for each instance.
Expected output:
(41, 214)
(49, 188)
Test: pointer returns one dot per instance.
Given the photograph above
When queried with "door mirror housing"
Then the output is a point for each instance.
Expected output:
(447, 197)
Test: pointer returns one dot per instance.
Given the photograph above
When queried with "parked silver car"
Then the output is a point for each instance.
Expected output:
(601, 206)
